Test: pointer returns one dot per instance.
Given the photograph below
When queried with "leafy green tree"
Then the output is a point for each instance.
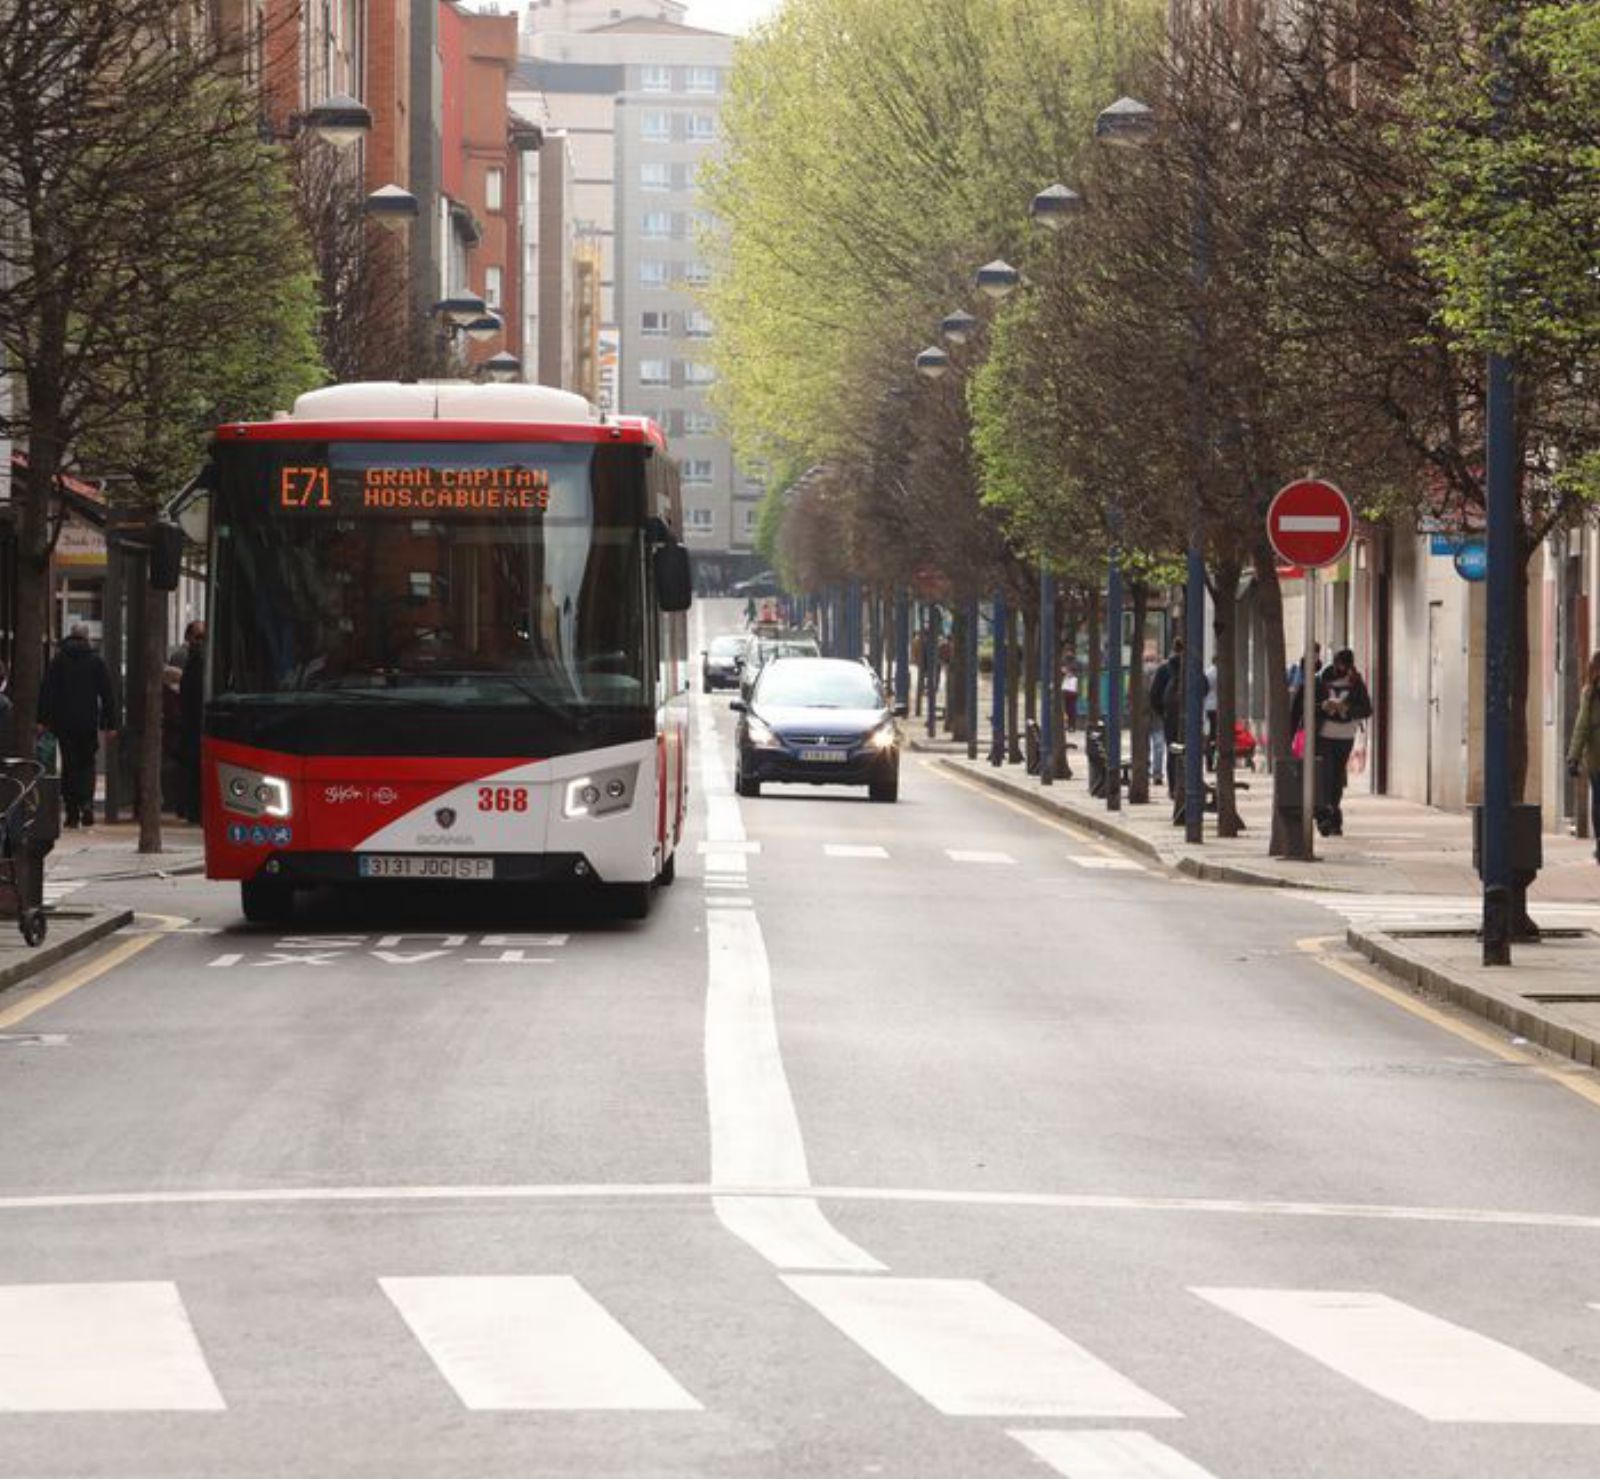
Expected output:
(220, 324)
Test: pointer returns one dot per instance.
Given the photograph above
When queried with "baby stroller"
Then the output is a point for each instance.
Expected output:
(30, 805)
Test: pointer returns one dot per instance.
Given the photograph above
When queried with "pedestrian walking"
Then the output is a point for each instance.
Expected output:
(1165, 708)
(1341, 703)
(8, 722)
(1211, 717)
(191, 713)
(1070, 682)
(1583, 754)
(77, 705)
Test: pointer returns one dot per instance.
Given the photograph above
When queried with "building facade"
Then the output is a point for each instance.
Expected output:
(639, 99)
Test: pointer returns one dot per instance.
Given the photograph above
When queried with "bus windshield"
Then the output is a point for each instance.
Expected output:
(433, 575)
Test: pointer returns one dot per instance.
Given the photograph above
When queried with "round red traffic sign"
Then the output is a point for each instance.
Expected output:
(1310, 524)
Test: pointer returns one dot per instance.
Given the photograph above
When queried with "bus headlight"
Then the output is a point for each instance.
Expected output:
(254, 794)
(603, 792)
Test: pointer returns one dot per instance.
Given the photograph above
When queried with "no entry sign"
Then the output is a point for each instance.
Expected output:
(1310, 523)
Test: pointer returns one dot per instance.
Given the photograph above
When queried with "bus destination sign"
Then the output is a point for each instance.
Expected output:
(316, 488)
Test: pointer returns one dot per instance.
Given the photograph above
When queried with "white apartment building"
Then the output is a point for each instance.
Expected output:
(638, 100)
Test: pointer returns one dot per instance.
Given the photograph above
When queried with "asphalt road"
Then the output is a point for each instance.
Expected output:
(915, 1140)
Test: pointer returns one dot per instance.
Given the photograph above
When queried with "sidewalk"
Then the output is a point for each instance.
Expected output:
(1391, 848)
(111, 851)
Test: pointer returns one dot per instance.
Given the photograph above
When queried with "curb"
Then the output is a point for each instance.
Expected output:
(52, 953)
(1185, 863)
(1549, 1028)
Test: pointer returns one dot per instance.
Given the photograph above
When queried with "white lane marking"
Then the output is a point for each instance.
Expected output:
(853, 850)
(1110, 865)
(971, 1352)
(1441, 1371)
(578, 1191)
(533, 1344)
(755, 1131)
(222, 962)
(792, 1233)
(970, 855)
(1108, 1454)
(125, 1347)
(747, 847)
(756, 1141)
(730, 901)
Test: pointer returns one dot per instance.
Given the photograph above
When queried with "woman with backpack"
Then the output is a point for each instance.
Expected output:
(1583, 754)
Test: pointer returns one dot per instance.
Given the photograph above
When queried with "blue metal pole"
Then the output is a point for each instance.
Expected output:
(1499, 660)
(1114, 682)
(973, 617)
(1049, 689)
(902, 647)
(999, 627)
(930, 668)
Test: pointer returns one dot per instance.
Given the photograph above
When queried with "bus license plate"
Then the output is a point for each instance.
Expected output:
(399, 865)
(834, 755)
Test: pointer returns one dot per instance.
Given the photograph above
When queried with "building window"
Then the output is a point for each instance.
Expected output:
(752, 518)
(683, 176)
(697, 324)
(704, 79)
(699, 520)
(696, 273)
(699, 424)
(656, 126)
(702, 126)
(657, 225)
(656, 78)
(493, 283)
(652, 273)
(654, 372)
(494, 189)
(654, 325)
(698, 374)
(697, 470)
(654, 175)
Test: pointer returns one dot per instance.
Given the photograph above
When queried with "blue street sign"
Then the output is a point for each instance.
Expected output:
(1472, 560)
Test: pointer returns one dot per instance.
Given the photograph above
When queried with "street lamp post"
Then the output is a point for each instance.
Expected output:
(902, 648)
(1049, 696)
(1128, 123)
(999, 627)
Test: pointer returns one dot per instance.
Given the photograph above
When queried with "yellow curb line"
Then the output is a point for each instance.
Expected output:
(1579, 1081)
(37, 1001)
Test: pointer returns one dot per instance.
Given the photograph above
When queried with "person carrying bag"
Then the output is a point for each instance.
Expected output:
(1583, 754)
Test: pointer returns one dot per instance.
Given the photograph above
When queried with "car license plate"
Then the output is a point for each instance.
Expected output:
(401, 865)
(834, 755)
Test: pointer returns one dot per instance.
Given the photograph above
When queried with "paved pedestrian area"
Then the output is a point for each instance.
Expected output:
(111, 851)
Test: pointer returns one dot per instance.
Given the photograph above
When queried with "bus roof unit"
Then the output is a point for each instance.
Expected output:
(445, 400)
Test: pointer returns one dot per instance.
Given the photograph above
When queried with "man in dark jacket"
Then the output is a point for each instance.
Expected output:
(77, 705)
(1342, 703)
(191, 715)
(1166, 692)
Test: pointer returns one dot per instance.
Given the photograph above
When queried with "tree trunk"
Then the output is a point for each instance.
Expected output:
(1090, 701)
(875, 629)
(1138, 703)
(1225, 629)
(33, 578)
(1016, 677)
(955, 701)
(1034, 682)
(151, 661)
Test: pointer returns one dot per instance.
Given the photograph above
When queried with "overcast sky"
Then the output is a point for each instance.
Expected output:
(729, 15)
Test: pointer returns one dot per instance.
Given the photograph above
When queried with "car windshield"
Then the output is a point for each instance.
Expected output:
(727, 646)
(802, 648)
(819, 685)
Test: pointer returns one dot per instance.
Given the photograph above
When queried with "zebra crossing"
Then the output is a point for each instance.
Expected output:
(546, 1343)
(1437, 911)
(730, 856)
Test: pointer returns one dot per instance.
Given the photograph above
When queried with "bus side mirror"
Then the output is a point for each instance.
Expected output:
(674, 581)
(166, 555)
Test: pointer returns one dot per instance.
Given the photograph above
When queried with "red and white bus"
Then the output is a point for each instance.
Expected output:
(446, 641)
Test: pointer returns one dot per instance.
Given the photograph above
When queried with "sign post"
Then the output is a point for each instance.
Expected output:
(1310, 523)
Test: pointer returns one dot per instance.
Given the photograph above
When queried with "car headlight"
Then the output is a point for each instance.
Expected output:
(884, 737)
(761, 735)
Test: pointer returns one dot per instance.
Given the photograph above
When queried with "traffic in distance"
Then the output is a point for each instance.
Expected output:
(447, 642)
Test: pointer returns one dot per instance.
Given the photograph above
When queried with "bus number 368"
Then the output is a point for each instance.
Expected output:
(502, 798)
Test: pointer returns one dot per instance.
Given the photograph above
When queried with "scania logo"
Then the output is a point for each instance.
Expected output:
(445, 817)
